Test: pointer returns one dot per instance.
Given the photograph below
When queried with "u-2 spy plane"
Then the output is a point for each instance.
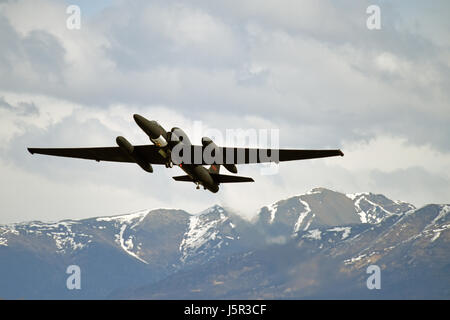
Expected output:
(173, 147)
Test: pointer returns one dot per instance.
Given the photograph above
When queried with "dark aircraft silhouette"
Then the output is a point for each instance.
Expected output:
(174, 148)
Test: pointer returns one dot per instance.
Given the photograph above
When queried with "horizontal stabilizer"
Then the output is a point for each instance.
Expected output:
(224, 178)
(185, 178)
(218, 178)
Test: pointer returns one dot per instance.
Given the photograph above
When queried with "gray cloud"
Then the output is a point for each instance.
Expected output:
(313, 72)
(22, 108)
(33, 62)
(309, 68)
(412, 184)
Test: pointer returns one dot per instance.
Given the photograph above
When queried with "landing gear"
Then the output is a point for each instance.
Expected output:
(169, 164)
(198, 185)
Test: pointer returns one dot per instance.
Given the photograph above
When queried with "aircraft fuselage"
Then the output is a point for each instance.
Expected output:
(201, 176)
(166, 141)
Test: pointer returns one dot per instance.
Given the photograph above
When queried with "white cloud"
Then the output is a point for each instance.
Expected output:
(50, 111)
(29, 196)
(388, 154)
(308, 68)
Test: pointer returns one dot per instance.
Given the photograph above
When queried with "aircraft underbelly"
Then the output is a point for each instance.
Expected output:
(200, 174)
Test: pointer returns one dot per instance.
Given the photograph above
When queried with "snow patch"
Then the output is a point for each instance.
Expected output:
(272, 209)
(124, 221)
(353, 260)
(302, 215)
(3, 242)
(126, 218)
(437, 232)
(4, 230)
(309, 222)
(345, 231)
(200, 231)
(369, 216)
(64, 240)
(127, 245)
(60, 232)
(444, 211)
(313, 191)
(214, 208)
(315, 234)
(362, 214)
(353, 196)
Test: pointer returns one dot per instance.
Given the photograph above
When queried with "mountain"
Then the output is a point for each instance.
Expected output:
(321, 208)
(112, 252)
(315, 245)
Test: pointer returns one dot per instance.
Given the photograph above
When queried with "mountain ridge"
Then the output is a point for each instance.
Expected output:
(125, 251)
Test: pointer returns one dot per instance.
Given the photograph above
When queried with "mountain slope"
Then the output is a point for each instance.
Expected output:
(112, 252)
(318, 244)
(321, 207)
(412, 250)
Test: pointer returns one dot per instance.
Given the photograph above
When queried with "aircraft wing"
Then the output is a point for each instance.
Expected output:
(227, 155)
(151, 154)
(148, 152)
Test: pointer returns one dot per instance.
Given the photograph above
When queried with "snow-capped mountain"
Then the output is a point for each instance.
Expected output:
(151, 244)
(411, 248)
(373, 208)
(149, 236)
(424, 229)
(322, 207)
(331, 235)
(124, 227)
(210, 233)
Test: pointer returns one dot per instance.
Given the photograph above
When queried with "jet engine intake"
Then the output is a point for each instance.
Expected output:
(128, 149)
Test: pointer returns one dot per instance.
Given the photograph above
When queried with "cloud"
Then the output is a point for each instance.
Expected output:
(389, 154)
(29, 196)
(22, 108)
(414, 184)
(310, 69)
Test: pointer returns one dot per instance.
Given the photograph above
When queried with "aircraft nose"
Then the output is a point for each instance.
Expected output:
(151, 128)
(142, 122)
(138, 118)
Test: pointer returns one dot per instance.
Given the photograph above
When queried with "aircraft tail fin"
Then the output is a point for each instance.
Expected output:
(214, 168)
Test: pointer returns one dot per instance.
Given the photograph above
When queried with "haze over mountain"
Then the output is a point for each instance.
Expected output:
(315, 245)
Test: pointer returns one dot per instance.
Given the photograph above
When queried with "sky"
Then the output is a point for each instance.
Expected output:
(310, 69)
